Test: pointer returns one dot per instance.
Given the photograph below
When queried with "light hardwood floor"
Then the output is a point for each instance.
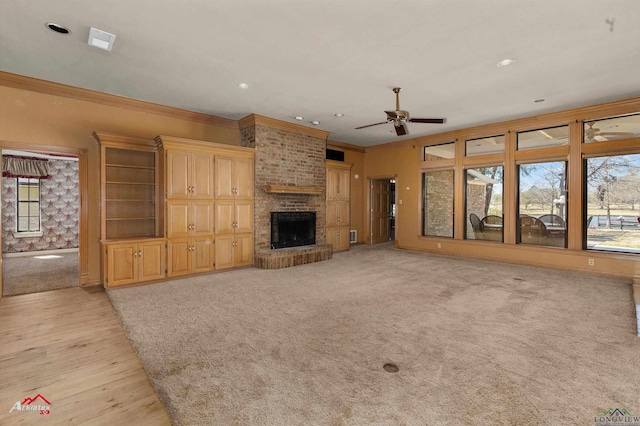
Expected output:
(67, 345)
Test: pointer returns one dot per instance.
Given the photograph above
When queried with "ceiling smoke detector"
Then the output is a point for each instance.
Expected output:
(101, 39)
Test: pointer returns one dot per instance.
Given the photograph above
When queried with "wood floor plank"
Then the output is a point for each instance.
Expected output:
(68, 346)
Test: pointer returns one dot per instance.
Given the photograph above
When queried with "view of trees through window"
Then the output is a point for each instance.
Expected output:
(484, 203)
(613, 203)
(542, 208)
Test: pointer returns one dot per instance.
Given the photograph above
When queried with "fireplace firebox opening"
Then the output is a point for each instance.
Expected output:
(292, 229)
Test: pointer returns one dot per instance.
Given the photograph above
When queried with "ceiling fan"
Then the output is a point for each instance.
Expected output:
(400, 118)
(594, 134)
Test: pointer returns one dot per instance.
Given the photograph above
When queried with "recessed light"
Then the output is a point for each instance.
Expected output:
(299, 118)
(57, 28)
(101, 39)
(339, 114)
(505, 62)
(315, 122)
(539, 100)
(243, 85)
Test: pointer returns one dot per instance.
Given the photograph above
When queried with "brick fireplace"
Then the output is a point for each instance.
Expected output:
(290, 176)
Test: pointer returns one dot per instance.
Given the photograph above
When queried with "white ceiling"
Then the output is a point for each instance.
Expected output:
(317, 58)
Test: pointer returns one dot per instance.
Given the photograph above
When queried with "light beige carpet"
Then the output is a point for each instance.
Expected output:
(28, 274)
(476, 343)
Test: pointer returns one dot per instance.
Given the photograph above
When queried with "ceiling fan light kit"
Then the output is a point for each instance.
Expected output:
(400, 118)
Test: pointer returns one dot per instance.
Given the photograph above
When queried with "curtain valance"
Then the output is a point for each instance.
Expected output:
(24, 167)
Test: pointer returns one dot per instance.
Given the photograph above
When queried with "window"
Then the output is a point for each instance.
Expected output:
(437, 201)
(542, 206)
(484, 203)
(613, 203)
(490, 145)
(543, 138)
(28, 205)
(440, 152)
(608, 129)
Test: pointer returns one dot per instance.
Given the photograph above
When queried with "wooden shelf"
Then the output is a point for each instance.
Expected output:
(288, 189)
(126, 166)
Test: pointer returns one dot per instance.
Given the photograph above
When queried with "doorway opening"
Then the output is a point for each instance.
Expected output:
(40, 222)
(383, 210)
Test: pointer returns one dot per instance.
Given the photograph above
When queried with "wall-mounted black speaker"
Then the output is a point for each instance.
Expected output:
(332, 154)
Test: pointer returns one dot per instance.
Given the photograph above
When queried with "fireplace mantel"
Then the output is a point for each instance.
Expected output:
(290, 189)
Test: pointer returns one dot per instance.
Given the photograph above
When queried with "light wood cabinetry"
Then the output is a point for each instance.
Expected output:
(190, 255)
(234, 250)
(209, 206)
(133, 261)
(129, 185)
(189, 175)
(234, 212)
(338, 204)
(234, 178)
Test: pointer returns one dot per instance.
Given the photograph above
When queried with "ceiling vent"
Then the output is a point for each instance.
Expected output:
(101, 39)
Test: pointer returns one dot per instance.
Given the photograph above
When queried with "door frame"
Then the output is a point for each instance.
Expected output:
(370, 181)
(83, 190)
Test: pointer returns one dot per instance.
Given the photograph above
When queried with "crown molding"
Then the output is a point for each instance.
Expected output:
(255, 119)
(345, 146)
(21, 82)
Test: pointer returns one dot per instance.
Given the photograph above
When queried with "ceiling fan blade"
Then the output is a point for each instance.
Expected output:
(401, 129)
(427, 120)
(392, 115)
(369, 125)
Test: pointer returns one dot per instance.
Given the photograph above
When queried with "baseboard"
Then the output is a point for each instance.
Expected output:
(39, 253)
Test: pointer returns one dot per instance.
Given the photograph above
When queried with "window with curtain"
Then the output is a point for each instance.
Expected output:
(28, 205)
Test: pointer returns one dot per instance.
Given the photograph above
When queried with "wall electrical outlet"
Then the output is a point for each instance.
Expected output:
(592, 262)
(439, 245)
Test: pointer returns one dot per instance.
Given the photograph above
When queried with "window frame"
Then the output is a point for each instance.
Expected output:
(29, 182)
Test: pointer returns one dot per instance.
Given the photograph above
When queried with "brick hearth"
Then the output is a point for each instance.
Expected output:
(284, 258)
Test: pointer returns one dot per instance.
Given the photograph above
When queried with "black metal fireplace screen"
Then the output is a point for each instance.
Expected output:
(292, 229)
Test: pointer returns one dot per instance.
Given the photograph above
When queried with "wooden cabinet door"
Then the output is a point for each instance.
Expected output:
(202, 254)
(178, 219)
(201, 217)
(343, 185)
(224, 184)
(338, 184)
(243, 216)
(178, 174)
(343, 238)
(152, 260)
(337, 213)
(338, 237)
(243, 178)
(243, 250)
(224, 252)
(224, 217)
(122, 264)
(202, 176)
(178, 257)
(332, 184)
(332, 237)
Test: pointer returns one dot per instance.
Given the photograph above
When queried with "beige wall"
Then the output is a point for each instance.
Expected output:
(403, 159)
(30, 117)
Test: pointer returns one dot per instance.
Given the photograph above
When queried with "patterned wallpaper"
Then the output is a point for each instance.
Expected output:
(60, 209)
